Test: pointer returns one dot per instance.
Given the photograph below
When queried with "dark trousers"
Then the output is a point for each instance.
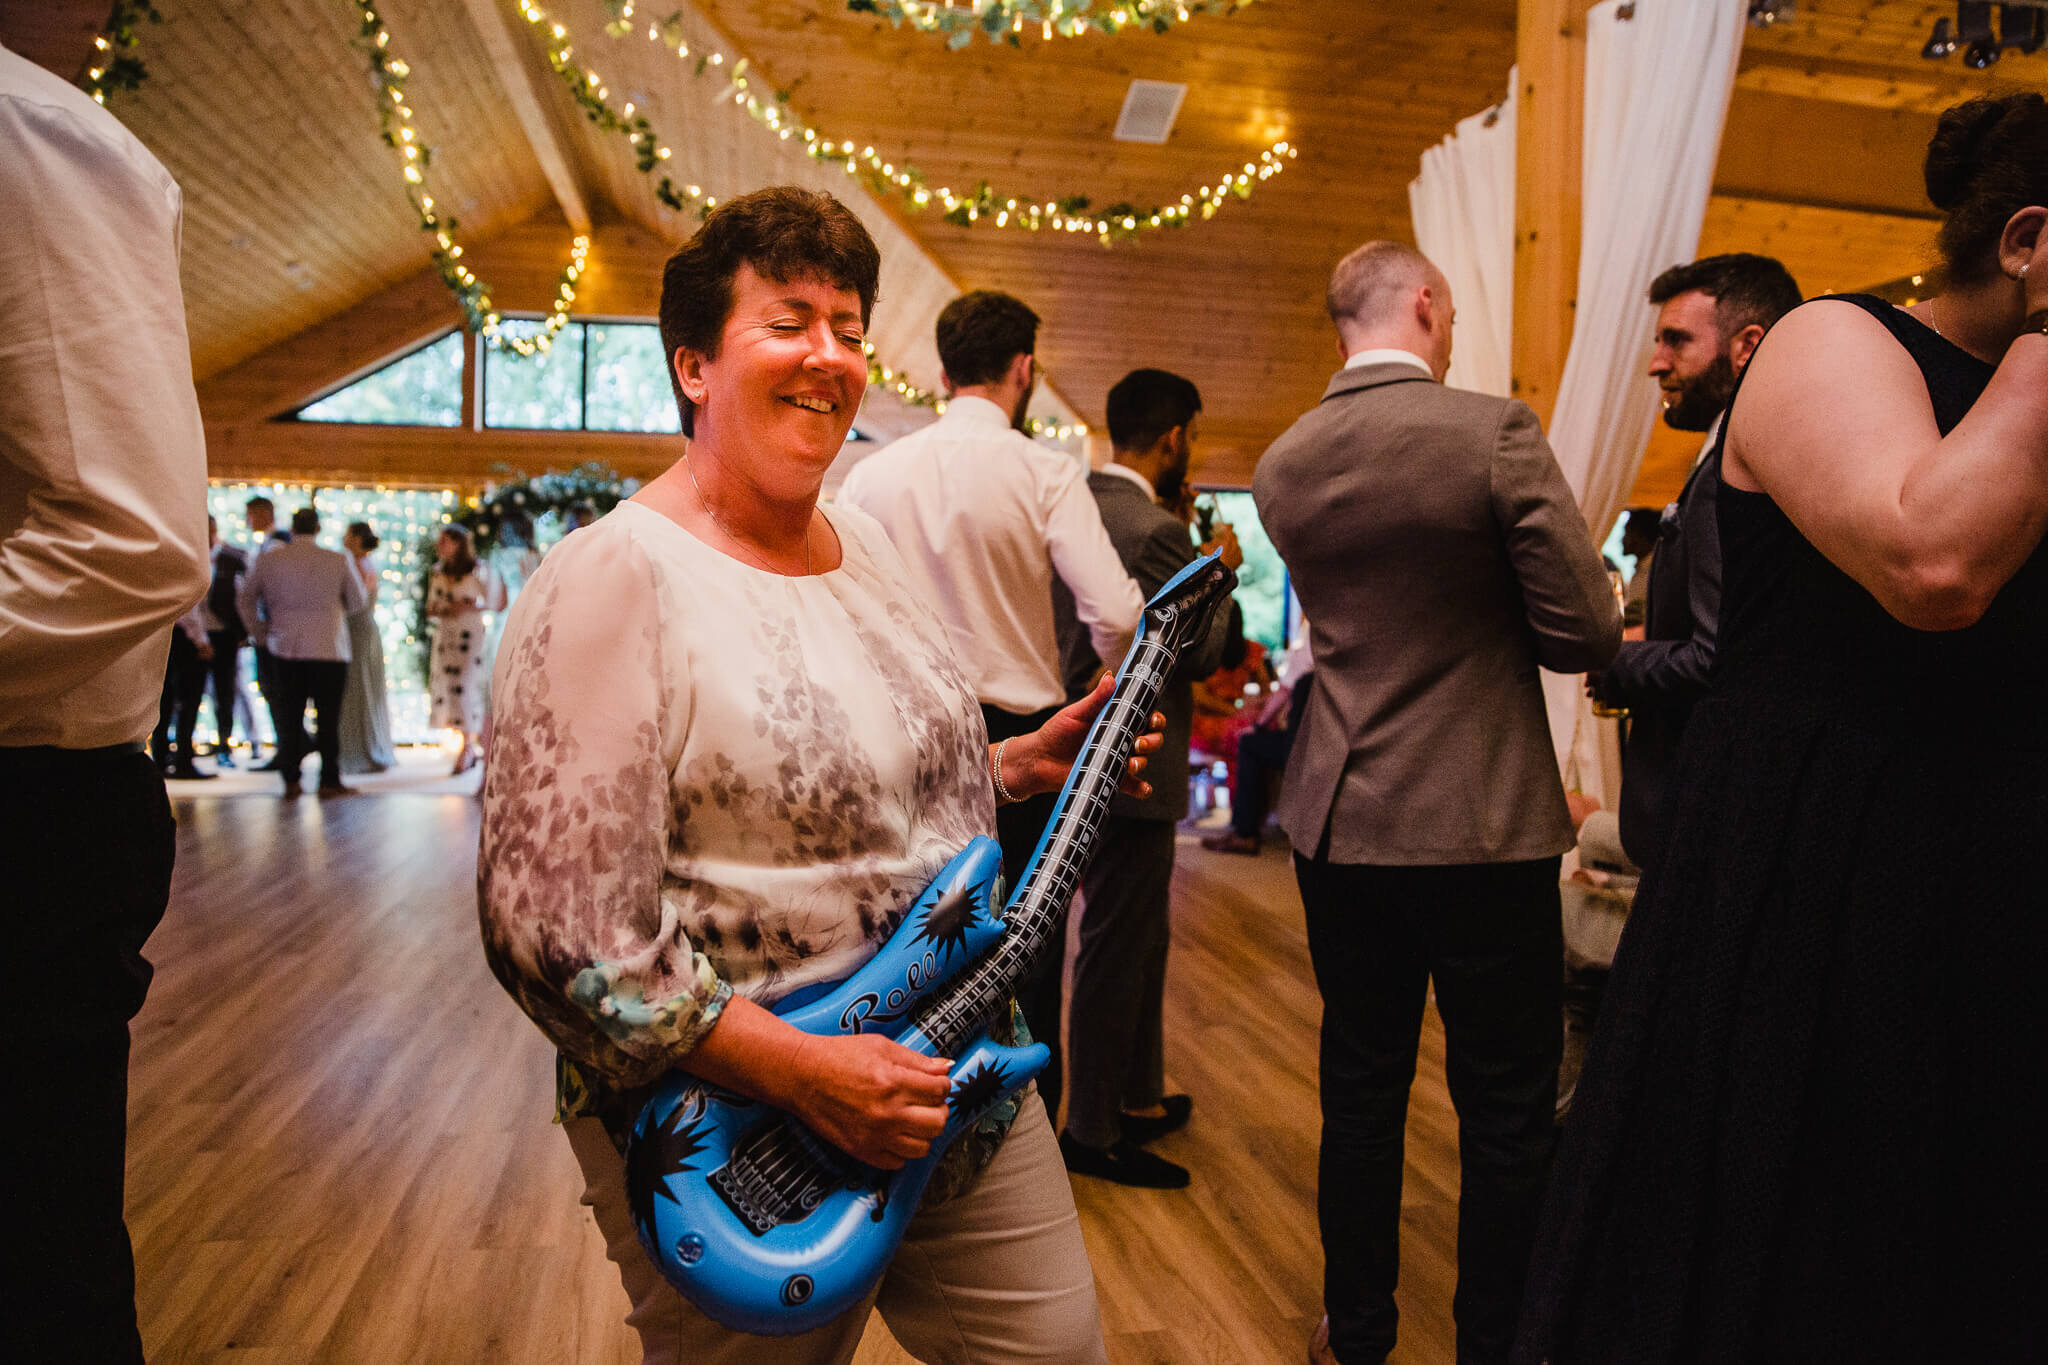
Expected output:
(1120, 978)
(86, 841)
(320, 681)
(227, 646)
(1260, 755)
(184, 685)
(1490, 937)
(1018, 827)
(268, 683)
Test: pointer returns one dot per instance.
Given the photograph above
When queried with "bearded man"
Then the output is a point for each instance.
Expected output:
(1711, 315)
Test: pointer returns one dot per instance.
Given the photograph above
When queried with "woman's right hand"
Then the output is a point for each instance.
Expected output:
(871, 1097)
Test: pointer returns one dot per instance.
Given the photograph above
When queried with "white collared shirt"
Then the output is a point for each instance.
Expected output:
(1387, 355)
(102, 455)
(984, 517)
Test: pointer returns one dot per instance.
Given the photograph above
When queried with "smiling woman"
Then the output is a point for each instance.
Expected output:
(732, 746)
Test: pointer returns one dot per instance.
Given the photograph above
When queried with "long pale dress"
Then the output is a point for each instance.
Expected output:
(365, 711)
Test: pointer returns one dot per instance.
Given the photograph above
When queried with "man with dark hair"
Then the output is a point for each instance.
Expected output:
(985, 519)
(1442, 558)
(1117, 1100)
(1711, 315)
(297, 598)
(224, 635)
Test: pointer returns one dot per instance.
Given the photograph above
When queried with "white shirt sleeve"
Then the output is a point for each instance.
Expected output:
(102, 454)
(1106, 598)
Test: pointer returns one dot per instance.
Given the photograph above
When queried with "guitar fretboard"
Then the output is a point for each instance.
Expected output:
(966, 1005)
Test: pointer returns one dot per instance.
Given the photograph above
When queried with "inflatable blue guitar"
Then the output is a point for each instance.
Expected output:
(767, 1227)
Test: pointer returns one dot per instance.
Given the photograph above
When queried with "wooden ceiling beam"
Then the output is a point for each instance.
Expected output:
(515, 75)
(1921, 87)
(1791, 149)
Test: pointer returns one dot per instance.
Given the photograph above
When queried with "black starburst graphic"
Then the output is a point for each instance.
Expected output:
(980, 1088)
(947, 922)
(658, 1151)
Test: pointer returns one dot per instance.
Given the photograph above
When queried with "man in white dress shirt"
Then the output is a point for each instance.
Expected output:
(296, 599)
(102, 547)
(985, 518)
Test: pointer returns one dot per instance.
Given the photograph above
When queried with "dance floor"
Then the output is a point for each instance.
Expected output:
(341, 1149)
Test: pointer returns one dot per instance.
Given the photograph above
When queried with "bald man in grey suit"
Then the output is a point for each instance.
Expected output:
(1440, 558)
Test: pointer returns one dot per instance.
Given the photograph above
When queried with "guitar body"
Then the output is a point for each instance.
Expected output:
(768, 1228)
(793, 1233)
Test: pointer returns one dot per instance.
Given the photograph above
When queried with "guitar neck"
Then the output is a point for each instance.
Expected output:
(966, 1004)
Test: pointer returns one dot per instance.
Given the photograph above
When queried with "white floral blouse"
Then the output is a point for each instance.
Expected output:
(707, 779)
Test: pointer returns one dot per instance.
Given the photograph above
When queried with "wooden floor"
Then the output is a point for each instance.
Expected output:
(340, 1147)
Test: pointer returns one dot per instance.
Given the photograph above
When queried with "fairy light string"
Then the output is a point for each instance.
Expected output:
(395, 124)
(114, 63)
(1007, 21)
(983, 206)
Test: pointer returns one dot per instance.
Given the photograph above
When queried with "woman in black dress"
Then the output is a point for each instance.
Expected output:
(1811, 1126)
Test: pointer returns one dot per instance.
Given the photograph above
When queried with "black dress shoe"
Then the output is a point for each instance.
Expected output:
(1139, 1129)
(1124, 1164)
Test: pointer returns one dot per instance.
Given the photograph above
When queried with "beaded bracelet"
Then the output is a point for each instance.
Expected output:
(995, 770)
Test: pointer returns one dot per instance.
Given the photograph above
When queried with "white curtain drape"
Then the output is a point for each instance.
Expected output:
(1658, 77)
(1463, 207)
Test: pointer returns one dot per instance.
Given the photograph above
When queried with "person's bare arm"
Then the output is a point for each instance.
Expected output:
(867, 1095)
(1836, 426)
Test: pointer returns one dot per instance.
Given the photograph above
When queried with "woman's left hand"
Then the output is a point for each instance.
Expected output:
(1040, 761)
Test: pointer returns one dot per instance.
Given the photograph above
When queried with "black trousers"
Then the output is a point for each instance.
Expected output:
(86, 842)
(1018, 827)
(184, 685)
(1117, 1038)
(227, 645)
(320, 681)
(269, 684)
(1490, 937)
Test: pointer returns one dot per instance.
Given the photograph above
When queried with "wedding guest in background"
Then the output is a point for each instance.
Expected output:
(1809, 1125)
(1442, 558)
(178, 710)
(1228, 701)
(224, 635)
(261, 515)
(459, 592)
(365, 711)
(1639, 541)
(102, 547)
(986, 519)
(581, 514)
(297, 598)
(1116, 1093)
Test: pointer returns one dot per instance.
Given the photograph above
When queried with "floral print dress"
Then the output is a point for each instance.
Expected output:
(455, 662)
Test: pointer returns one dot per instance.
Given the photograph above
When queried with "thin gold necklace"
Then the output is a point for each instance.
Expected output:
(705, 503)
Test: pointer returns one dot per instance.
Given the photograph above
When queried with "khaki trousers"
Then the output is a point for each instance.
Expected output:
(995, 1275)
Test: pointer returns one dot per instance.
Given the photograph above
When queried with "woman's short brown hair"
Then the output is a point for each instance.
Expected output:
(785, 234)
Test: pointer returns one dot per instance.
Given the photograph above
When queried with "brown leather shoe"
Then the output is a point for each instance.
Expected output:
(1319, 1344)
(1230, 841)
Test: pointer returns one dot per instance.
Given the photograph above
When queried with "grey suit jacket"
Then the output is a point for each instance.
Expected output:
(1440, 557)
(1153, 547)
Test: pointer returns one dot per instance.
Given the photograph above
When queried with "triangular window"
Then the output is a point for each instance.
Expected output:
(420, 389)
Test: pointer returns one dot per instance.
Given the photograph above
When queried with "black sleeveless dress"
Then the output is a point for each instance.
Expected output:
(1811, 1124)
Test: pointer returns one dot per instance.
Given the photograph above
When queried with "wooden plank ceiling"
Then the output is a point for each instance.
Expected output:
(294, 214)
